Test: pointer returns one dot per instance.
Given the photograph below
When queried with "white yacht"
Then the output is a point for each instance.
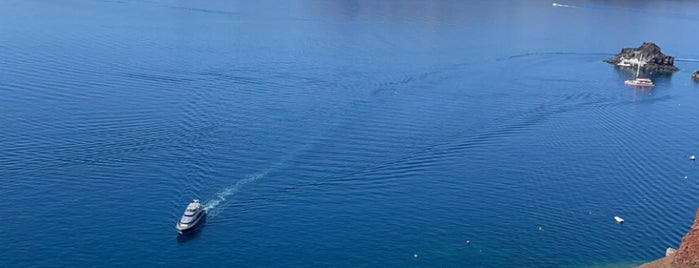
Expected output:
(193, 216)
(639, 81)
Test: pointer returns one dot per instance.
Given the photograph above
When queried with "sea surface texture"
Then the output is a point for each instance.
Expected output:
(343, 133)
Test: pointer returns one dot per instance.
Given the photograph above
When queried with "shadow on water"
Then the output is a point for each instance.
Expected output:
(184, 238)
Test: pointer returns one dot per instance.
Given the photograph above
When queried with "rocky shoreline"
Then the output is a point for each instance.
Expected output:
(687, 255)
(648, 55)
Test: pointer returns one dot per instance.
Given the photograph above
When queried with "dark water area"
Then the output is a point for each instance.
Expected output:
(343, 133)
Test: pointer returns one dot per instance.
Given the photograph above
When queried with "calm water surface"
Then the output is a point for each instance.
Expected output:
(343, 133)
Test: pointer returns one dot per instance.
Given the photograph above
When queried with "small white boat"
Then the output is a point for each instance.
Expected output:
(618, 219)
(624, 63)
(639, 81)
(692, 158)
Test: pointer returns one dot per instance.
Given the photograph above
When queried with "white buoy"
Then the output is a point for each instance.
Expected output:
(468, 242)
(685, 177)
(415, 255)
(618, 219)
(540, 228)
(692, 157)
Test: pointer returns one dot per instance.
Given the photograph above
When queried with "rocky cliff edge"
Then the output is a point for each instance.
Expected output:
(686, 256)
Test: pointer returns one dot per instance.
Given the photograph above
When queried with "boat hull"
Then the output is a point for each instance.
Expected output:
(635, 84)
(191, 227)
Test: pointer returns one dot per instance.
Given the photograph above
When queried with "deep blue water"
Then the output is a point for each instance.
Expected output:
(343, 133)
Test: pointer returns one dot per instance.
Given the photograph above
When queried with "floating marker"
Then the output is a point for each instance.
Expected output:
(692, 157)
(415, 255)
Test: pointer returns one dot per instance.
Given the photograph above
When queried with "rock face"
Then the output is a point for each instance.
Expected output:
(686, 256)
(695, 75)
(652, 60)
(688, 253)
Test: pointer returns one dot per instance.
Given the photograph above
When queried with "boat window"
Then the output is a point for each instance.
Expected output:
(190, 213)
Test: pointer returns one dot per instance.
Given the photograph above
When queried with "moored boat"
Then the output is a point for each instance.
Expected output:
(639, 81)
(624, 63)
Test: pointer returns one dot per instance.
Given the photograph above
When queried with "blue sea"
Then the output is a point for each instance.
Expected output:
(347, 133)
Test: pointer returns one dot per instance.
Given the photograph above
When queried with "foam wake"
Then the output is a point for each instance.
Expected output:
(562, 5)
(688, 60)
(226, 193)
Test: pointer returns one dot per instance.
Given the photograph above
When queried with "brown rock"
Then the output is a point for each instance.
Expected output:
(650, 53)
(659, 263)
(688, 253)
(670, 251)
(686, 256)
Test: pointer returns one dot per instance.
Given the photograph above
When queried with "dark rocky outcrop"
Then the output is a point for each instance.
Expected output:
(695, 75)
(649, 53)
(684, 257)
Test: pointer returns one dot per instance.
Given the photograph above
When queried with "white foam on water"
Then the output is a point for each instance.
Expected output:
(226, 193)
(684, 59)
(562, 5)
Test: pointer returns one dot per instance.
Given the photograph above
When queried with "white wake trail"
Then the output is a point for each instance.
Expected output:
(221, 198)
(562, 5)
(224, 195)
(230, 191)
(688, 60)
